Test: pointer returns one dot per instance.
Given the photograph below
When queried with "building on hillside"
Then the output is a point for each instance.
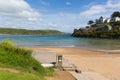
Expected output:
(103, 20)
(104, 28)
(115, 19)
(108, 20)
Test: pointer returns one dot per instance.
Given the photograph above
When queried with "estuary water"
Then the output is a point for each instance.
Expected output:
(64, 40)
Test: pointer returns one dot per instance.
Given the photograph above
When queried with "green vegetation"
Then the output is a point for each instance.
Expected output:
(114, 34)
(100, 29)
(5, 75)
(90, 22)
(115, 14)
(24, 31)
(21, 59)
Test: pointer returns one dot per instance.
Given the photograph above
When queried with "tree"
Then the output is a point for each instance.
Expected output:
(96, 21)
(101, 18)
(90, 22)
(115, 14)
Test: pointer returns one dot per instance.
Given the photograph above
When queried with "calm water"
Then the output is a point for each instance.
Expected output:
(61, 41)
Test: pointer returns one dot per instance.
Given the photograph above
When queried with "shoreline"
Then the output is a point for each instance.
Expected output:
(80, 47)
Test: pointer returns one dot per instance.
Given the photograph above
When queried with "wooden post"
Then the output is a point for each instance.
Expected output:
(59, 61)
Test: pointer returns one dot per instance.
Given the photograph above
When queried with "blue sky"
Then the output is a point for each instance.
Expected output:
(63, 15)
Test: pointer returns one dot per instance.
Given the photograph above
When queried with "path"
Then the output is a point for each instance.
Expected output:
(44, 57)
(10, 70)
(48, 57)
(88, 76)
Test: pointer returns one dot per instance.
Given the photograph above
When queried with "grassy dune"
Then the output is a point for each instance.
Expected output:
(21, 59)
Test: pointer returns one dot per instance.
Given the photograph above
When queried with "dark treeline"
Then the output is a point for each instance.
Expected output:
(114, 34)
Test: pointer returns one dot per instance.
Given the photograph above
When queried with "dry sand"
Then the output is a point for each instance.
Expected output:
(61, 75)
(108, 65)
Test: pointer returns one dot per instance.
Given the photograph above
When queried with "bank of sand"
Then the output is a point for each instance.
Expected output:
(105, 64)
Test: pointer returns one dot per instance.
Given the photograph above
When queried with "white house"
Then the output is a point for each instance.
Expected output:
(106, 27)
(115, 19)
(103, 20)
(107, 20)
(112, 19)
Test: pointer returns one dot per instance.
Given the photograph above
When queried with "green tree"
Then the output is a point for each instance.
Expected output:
(90, 22)
(115, 14)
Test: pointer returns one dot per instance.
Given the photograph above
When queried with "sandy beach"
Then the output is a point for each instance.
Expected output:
(106, 64)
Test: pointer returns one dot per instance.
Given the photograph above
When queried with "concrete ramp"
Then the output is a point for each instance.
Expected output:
(67, 66)
(88, 76)
(44, 57)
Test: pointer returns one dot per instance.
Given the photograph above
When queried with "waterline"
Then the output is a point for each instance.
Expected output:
(65, 40)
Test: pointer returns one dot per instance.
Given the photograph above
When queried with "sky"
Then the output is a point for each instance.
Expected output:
(63, 15)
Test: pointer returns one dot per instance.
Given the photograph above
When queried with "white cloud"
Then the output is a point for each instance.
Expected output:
(17, 9)
(44, 3)
(101, 9)
(63, 21)
(96, 9)
(113, 4)
(54, 25)
(68, 3)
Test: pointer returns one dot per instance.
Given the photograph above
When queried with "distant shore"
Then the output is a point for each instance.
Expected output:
(17, 31)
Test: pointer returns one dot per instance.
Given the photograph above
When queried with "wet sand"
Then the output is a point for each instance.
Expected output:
(104, 63)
